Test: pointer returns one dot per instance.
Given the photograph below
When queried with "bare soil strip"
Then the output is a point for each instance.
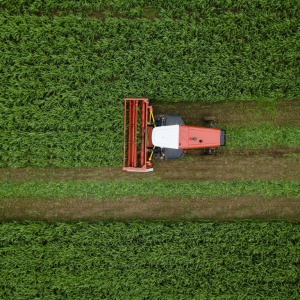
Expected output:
(236, 114)
(212, 208)
(195, 167)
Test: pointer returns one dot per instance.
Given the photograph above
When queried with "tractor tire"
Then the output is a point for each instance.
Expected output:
(210, 151)
(160, 120)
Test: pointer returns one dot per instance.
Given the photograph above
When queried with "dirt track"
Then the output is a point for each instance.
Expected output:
(236, 114)
(213, 208)
(222, 167)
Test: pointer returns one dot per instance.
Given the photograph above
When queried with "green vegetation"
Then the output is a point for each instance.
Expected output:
(267, 137)
(103, 148)
(150, 8)
(115, 189)
(159, 260)
(66, 66)
(224, 56)
(63, 149)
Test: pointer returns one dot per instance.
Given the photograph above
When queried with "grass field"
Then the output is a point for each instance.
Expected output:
(73, 225)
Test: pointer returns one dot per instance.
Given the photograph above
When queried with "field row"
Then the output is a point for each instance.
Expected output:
(152, 8)
(158, 260)
(42, 117)
(145, 189)
(72, 60)
(105, 147)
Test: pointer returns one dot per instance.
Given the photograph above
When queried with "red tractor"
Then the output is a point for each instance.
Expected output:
(165, 136)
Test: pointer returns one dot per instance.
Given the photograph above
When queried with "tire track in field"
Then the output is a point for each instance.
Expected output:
(227, 166)
(236, 114)
(209, 208)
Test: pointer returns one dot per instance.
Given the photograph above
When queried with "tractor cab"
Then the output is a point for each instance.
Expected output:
(166, 136)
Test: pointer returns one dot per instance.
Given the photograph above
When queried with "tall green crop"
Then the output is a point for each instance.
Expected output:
(64, 72)
(159, 260)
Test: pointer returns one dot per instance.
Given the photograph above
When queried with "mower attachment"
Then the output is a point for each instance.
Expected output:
(137, 115)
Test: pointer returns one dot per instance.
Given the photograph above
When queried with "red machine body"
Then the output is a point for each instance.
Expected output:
(167, 136)
(192, 137)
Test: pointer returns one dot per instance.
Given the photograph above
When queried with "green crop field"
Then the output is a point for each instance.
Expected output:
(65, 149)
(138, 260)
(65, 67)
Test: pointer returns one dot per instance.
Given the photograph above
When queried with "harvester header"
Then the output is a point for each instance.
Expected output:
(137, 117)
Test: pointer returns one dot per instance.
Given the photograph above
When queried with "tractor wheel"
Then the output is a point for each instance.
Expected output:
(160, 120)
(210, 151)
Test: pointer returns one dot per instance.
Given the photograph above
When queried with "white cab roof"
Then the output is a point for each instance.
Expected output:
(166, 136)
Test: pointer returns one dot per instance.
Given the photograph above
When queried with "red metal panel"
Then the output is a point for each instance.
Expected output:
(125, 148)
(130, 135)
(132, 154)
(143, 130)
(191, 137)
(135, 156)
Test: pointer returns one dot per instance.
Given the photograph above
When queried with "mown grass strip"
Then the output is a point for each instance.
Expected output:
(145, 189)
(150, 260)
